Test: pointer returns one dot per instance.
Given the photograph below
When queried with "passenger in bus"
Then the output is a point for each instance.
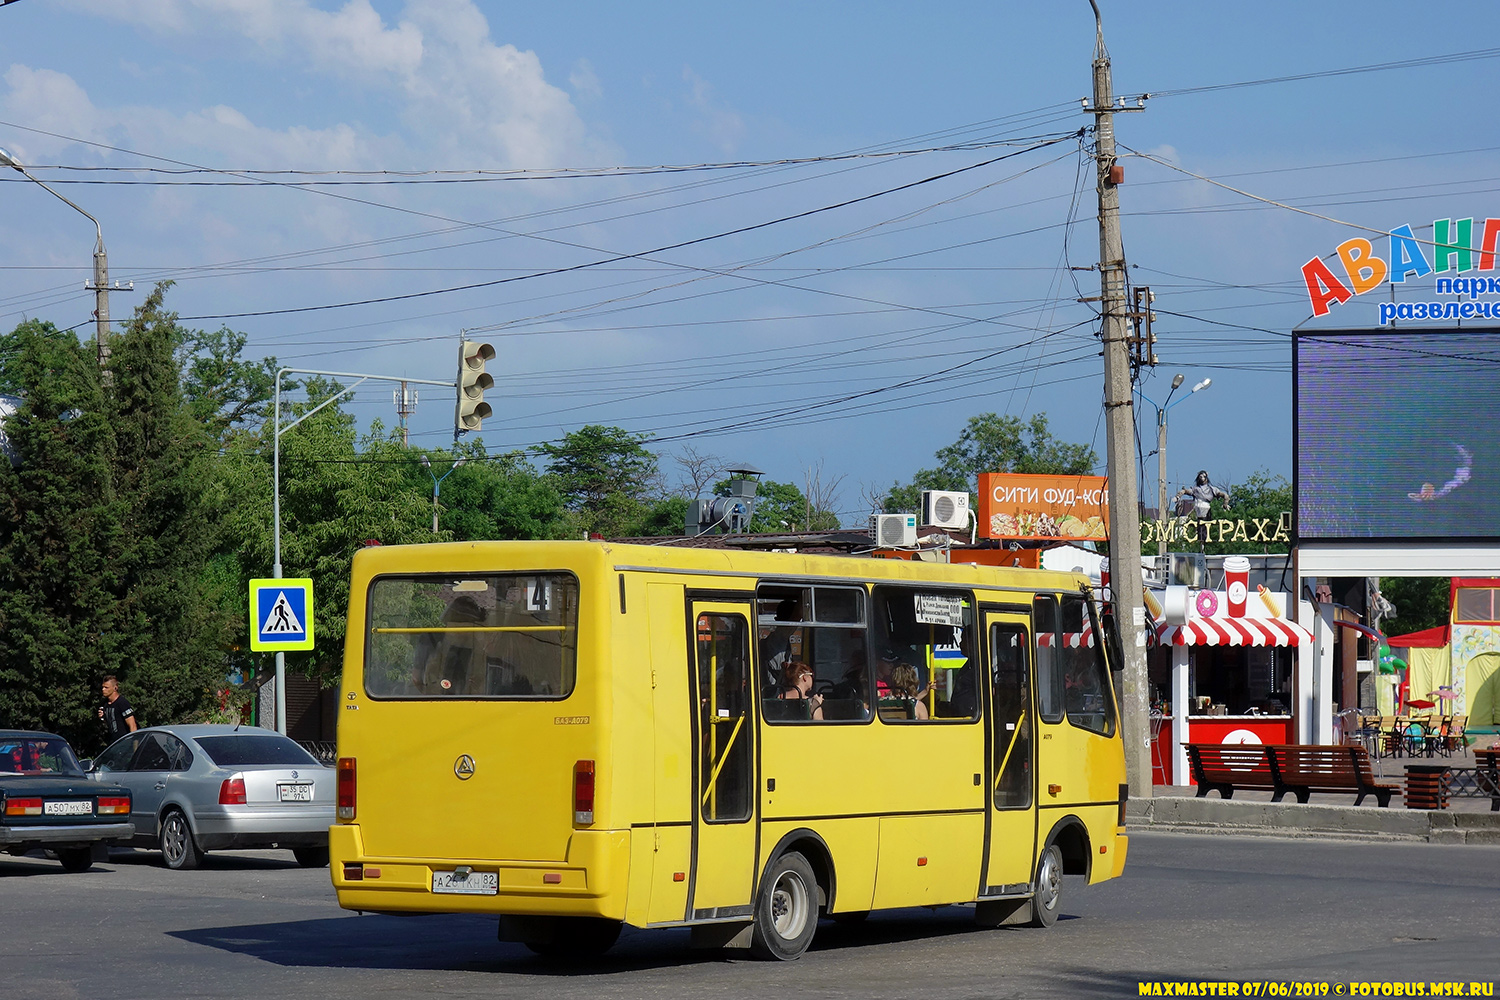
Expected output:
(849, 692)
(776, 647)
(797, 685)
(906, 688)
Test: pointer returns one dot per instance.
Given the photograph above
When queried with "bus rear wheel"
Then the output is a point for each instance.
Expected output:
(1046, 903)
(786, 909)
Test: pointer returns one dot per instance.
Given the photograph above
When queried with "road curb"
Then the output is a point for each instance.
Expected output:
(1179, 814)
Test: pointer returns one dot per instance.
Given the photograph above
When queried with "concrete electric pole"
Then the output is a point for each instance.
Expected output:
(1124, 513)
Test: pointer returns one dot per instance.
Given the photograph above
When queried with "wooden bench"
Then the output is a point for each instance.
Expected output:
(1227, 766)
(1302, 770)
(1487, 775)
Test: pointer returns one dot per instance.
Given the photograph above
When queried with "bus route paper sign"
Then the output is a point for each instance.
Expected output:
(939, 609)
(281, 615)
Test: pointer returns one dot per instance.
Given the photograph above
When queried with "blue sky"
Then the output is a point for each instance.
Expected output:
(857, 337)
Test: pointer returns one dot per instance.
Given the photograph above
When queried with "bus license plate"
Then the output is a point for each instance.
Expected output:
(472, 884)
(68, 808)
(295, 793)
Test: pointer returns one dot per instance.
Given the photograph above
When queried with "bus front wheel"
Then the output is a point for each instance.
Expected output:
(1046, 903)
(786, 909)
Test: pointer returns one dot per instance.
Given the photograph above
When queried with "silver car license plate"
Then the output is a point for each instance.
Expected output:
(470, 884)
(68, 808)
(295, 793)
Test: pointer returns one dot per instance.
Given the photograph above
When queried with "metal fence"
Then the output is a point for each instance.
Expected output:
(326, 751)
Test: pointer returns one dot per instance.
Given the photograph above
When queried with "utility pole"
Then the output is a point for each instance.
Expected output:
(1124, 512)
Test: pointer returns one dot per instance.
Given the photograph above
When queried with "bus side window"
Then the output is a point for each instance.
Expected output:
(1049, 676)
(1085, 679)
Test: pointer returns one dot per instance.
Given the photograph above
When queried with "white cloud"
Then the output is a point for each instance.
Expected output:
(460, 94)
(720, 123)
(585, 82)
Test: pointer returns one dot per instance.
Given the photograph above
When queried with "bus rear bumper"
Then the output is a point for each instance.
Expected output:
(591, 882)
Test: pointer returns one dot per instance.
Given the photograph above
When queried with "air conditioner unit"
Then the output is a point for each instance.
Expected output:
(894, 530)
(945, 509)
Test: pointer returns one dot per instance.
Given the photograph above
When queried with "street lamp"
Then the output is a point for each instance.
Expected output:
(437, 485)
(101, 262)
(1161, 450)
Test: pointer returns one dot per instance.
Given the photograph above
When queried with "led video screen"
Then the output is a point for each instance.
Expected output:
(1397, 434)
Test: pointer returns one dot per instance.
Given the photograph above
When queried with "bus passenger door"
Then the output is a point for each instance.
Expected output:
(1012, 765)
(724, 773)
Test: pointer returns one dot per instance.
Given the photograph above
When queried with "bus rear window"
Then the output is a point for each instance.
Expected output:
(493, 636)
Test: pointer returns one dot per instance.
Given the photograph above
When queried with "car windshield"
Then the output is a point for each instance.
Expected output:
(37, 755)
(251, 748)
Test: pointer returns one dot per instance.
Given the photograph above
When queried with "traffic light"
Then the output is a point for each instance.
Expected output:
(472, 381)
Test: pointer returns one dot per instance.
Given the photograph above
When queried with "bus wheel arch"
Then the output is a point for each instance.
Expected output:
(812, 847)
(1071, 838)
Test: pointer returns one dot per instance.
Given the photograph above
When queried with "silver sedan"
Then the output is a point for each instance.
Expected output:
(208, 788)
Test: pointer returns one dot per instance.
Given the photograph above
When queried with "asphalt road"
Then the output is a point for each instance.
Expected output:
(1190, 908)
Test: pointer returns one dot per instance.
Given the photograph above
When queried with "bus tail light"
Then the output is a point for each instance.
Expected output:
(348, 788)
(583, 793)
(114, 805)
(23, 807)
(1124, 798)
(232, 792)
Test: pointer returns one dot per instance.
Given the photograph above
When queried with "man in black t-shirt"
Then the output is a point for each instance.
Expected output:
(117, 714)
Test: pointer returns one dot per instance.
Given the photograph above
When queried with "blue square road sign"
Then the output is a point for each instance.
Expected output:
(281, 615)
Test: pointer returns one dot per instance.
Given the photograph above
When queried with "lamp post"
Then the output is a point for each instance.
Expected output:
(1161, 450)
(100, 286)
(437, 485)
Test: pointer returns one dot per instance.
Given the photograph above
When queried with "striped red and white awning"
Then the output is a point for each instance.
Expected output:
(1224, 631)
(1072, 640)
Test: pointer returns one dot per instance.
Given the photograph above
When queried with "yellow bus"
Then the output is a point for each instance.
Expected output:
(574, 736)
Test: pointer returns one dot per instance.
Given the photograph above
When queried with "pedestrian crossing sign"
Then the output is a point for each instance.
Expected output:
(281, 615)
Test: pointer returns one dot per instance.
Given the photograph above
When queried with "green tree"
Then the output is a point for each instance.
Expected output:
(223, 390)
(606, 476)
(60, 539)
(338, 492)
(1421, 602)
(171, 637)
(1262, 497)
(12, 369)
(992, 443)
(487, 498)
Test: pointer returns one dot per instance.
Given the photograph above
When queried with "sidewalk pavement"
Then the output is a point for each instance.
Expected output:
(1176, 808)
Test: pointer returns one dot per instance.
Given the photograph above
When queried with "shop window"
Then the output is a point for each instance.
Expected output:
(1476, 604)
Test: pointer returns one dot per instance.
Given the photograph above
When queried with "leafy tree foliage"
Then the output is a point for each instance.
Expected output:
(61, 535)
(492, 498)
(992, 443)
(606, 477)
(171, 641)
(1421, 602)
(1261, 497)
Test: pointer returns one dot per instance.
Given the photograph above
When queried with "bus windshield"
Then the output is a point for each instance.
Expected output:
(492, 636)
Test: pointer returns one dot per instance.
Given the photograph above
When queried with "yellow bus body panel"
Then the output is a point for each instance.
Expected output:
(895, 805)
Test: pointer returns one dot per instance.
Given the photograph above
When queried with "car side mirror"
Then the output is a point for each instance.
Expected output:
(87, 764)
